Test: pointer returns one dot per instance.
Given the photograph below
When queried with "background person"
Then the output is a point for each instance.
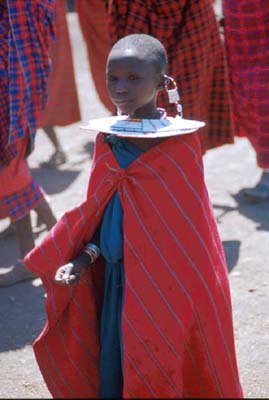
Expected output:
(247, 43)
(25, 65)
(63, 104)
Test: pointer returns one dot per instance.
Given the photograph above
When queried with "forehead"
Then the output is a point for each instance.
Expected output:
(128, 59)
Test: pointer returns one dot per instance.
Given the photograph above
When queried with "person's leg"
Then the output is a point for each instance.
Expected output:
(50, 131)
(24, 235)
(260, 192)
(59, 156)
(45, 213)
(19, 206)
(25, 240)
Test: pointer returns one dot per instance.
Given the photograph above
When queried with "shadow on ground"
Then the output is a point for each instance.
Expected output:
(231, 249)
(89, 148)
(54, 180)
(22, 315)
(259, 212)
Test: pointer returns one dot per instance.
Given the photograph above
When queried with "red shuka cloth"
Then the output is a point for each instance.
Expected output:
(16, 175)
(93, 20)
(26, 33)
(63, 104)
(189, 32)
(247, 43)
(177, 319)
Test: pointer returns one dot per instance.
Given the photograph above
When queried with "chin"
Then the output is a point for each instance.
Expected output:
(124, 111)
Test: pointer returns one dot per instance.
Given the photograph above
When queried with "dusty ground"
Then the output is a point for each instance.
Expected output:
(243, 228)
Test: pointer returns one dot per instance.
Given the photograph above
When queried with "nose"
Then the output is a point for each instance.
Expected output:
(121, 87)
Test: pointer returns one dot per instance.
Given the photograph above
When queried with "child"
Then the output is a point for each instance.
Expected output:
(189, 32)
(144, 309)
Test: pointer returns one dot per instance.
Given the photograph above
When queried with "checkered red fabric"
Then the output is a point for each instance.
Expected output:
(189, 32)
(19, 204)
(27, 67)
(7, 152)
(247, 42)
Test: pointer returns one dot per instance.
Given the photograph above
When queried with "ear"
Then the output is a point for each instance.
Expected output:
(162, 82)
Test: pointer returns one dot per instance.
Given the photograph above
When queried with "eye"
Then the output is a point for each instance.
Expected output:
(112, 78)
(133, 77)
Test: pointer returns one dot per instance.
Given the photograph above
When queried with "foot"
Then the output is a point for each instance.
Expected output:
(57, 158)
(18, 273)
(40, 226)
(260, 192)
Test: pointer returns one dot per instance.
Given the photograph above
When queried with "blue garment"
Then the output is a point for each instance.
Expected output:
(111, 245)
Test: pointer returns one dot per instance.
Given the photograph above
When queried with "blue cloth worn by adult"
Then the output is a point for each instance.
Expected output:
(111, 245)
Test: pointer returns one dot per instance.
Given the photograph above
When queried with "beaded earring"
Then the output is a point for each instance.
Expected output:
(173, 94)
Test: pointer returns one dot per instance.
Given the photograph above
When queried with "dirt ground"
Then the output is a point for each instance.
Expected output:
(244, 230)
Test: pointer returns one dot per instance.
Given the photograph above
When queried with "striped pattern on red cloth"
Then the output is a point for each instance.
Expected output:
(63, 104)
(189, 32)
(30, 22)
(19, 204)
(247, 43)
(177, 319)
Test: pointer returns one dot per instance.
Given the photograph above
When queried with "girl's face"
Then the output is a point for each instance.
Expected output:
(132, 83)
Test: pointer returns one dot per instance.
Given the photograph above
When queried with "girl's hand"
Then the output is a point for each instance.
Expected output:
(65, 275)
(70, 273)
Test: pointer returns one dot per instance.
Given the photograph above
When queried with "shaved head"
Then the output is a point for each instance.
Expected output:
(147, 47)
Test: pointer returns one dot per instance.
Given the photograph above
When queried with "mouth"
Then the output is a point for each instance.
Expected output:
(121, 102)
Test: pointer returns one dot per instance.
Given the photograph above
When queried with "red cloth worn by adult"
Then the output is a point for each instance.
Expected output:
(23, 97)
(93, 20)
(190, 34)
(247, 43)
(63, 104)
(177, 321)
